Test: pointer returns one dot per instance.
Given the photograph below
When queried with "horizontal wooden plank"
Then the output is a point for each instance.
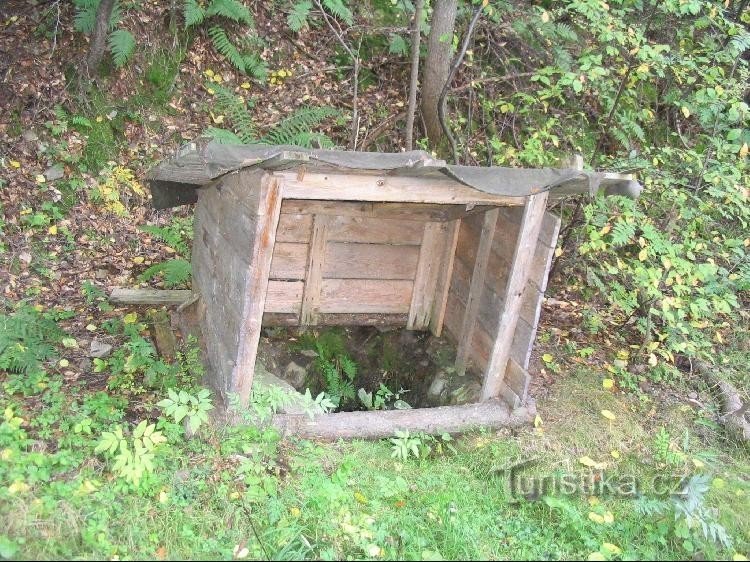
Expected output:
(284, 296)
(365, 319)
(367, 187)
(365, 295)
(375, 230)
(369, 261)
(426, 212)
(294, 227)
(289, 260)
(120, 295)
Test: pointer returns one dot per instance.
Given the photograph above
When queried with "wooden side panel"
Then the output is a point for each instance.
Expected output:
(369, 261)
(426, 275)
(365, 295)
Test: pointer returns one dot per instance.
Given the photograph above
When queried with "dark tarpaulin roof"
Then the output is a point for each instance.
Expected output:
(174, 181)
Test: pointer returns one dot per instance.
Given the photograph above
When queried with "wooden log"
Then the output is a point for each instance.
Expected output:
(518, 278)
(493, 414)
(160, 327)
(152, 297)
(476, 289)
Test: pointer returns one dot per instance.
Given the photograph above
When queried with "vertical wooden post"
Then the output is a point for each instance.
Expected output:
(256, 285)
(423, 293)
(476, 288)
(518, 276)
(444, 278)
(314, 272)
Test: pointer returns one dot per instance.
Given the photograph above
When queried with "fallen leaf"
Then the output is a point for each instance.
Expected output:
(608, 384)
(609, 415)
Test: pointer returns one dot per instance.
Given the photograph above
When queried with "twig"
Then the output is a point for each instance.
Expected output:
(380, 129)
(456, 63)
(416, 37)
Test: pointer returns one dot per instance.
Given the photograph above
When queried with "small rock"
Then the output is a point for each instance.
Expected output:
(424, 363)
(438, 384)
(85, 365)
(29, 135)
(693, 396)
(99, 349)
(309, 353)
(295, 375)
(54, 173)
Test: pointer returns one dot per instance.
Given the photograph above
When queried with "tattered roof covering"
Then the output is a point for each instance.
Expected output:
(174, 181)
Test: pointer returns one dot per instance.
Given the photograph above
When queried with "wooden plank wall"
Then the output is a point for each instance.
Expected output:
(365, 261)
(491, 297)
(226, 217)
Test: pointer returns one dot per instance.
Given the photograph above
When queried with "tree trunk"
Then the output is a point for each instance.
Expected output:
(437, 65)
(99, 35)
(415, 43)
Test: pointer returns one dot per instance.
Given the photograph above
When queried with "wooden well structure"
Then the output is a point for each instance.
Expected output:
(288, 236)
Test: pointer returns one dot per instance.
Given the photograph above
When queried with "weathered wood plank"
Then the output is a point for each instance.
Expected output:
(369, 261)
(517, 379)
(314, 272)
(284, 296)
(289, 260)
(365, 295)
(421, 212)
(365, 187)
(443, 277)
(145, 296)
(476, 288)
(519, 275)
(268, 209)
(295, 227)
(425, 278)
(382, 424)
(366, 319)
(375, 230)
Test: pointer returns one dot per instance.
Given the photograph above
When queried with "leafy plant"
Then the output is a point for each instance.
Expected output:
(383, 399)
(175, 272)
(132, 457)
(26, 340)
(419, 445)
(121, 42)
(296, 129)
(180, 405)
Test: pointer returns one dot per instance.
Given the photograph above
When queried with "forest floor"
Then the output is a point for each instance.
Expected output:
(605, 472)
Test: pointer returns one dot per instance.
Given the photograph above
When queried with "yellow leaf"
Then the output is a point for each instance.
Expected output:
(64, 363)
(591, 463)
(547, 358)
(52, 230)
(685, 112)
(91, 327)
(218, 119)
(596, 556)
(163, 496)
(295, 511)
(373, 550)
(643, 254)
(545, 16)
(15, 164)
(738, 557)
(596, 518)
(538, 421)
(40, 178)
(130, 318)
(610, 548)
(652, 360)
(642, 68)
(18, 487)
(719, 338)
(698, 463)
(138, 259)
(609, 518)
(6, 454)
(360, 497)
(605, 229)
(615, 454)
(718, 483)
(744, 150)
(99, 118)
(245, 85)
(208, 72)
(608, 384)
(609, 415)
(558, 252)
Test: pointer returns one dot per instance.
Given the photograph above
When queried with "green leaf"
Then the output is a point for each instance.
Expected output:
(122, 44)
(297, 18)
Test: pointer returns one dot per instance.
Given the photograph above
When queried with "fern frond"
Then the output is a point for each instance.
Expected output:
(339, 9)
(297, 18)
(224, 45)
(292, 129)
(256, 67)
(397, 45)
(85, 15)
(194, 13)
(236, 110)
(122, 44)
(223, 136)
(230, 9)
(175, 272)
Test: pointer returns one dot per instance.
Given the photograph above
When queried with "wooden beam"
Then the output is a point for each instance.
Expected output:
(256, 285)
(384, 188)
(314, 272)
(444, 275)
(518, 277)
(493, 414)
(425, 280)
(475, 291)
(151, 297)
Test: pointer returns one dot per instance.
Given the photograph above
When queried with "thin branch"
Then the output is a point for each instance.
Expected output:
(416, 37)
(456, 63)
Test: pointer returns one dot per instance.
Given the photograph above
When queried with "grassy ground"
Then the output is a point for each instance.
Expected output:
(234, 489)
